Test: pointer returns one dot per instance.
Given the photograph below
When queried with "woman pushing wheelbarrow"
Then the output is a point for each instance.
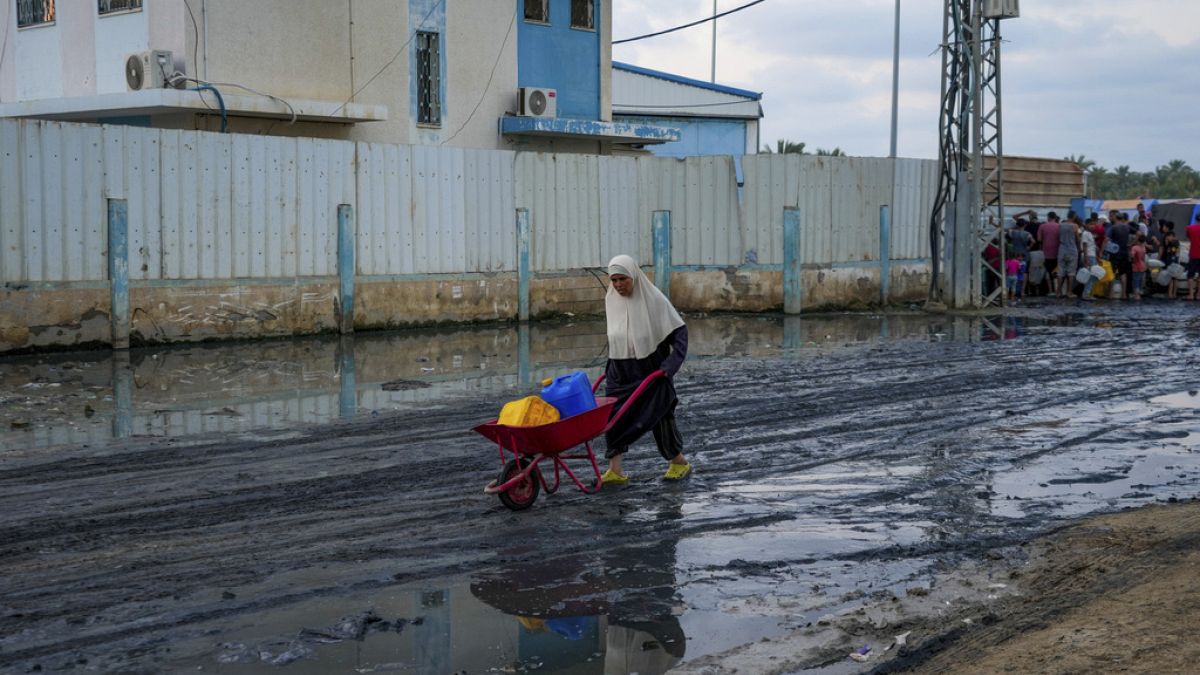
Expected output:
(647, 345)
(645, 334)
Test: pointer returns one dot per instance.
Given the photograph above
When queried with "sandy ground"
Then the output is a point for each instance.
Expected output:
(1112, 594)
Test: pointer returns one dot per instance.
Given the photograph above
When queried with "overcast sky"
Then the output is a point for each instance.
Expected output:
(1116, 81)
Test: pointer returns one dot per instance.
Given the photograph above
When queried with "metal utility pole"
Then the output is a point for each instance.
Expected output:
(714, 43)
(895, 80)
(969, 205)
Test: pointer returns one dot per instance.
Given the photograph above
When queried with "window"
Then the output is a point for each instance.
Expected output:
(117, 6)
(429, 79)
(34, 12)
(537, 10)
(583, 14)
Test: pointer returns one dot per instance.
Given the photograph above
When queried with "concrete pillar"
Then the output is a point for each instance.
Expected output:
(524, 271)
(345, 258)
(661, 228)
(885, 253)
(118, 271)
(792, 261)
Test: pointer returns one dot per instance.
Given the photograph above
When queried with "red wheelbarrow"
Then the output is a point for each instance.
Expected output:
(521, 478)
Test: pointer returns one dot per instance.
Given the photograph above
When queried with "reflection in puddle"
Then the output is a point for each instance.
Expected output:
(88, 398)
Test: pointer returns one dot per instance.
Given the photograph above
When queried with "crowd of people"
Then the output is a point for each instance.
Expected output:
(1122, 256)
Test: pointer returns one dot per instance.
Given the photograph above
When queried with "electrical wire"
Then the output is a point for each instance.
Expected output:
(7, 21)
(706, 19)
(220, 102)
(395, 56)
(195, 38)
(291, 109)
(488, 86)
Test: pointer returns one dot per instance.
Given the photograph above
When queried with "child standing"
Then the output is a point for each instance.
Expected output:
(1170, 254)
(1137, 265)
(1015, 278)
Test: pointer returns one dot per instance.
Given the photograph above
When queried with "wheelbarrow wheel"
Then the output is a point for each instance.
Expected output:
(524, 493)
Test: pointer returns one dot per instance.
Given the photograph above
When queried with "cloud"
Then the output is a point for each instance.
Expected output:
(1115, 81)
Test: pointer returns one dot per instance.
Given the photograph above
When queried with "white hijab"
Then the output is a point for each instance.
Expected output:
(637, 324)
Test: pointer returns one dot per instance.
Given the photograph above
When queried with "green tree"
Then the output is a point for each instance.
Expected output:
(1173, 180)
(1084, 163)
(836, 152)
(786, 147)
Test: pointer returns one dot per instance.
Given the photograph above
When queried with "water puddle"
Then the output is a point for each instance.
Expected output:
(642, 609)
(90, 398)
(1188, 400)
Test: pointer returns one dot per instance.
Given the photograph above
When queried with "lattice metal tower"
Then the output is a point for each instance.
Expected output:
(969, 207)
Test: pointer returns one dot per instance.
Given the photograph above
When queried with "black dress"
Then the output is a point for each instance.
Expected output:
(655, 408)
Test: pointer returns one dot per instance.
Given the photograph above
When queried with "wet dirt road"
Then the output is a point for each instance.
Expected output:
(317, 505)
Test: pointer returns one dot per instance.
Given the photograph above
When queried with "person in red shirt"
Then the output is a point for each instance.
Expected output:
(1137, 263)
(1193, 268)
(1047, 236)
(1097, 229)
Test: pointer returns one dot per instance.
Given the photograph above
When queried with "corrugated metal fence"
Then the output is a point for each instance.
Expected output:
(227, 206)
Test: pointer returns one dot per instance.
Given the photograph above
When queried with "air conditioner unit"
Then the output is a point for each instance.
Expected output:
(149, 69)
(1001, 9)
(537, 102)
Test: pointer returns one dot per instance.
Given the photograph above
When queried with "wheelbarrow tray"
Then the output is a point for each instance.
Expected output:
(553, 438)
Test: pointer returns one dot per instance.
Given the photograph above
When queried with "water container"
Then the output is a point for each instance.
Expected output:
(571, 394)
(530, 411)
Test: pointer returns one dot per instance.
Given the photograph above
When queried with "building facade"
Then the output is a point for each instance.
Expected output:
(712, 119)
(429, 72)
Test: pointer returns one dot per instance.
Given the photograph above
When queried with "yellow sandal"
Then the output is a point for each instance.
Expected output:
(611, 477)
(677, 471)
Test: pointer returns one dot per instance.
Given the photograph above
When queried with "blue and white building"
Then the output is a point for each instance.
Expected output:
(430, 72)
(712, 119)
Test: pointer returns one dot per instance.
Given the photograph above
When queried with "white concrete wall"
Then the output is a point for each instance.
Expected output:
(320, 50)
(76, 25)
(116, 37)
(312, 49)
(168, 27)
(38, 51)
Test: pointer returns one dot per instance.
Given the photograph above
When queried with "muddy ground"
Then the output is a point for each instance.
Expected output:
(857, 478)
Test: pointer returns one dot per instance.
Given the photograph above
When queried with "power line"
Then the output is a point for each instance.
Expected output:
(489, 82)
(395, 56)
(706, 19)
(4, 44)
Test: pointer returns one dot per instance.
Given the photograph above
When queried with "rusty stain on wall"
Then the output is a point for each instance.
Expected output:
(396, 304)
(173, 314)
(36, 318)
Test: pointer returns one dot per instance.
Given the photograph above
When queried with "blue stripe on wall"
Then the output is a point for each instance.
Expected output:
(697, 136)
(559, 57)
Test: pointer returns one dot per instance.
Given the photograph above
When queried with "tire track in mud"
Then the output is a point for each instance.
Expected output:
(93, 544)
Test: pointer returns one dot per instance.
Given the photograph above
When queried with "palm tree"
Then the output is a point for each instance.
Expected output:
(1099, 182)
(836, 152)
(1084, 163)
(786, 147)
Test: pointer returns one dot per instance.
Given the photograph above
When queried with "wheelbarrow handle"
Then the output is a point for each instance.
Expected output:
(596, 386)
(634, 396)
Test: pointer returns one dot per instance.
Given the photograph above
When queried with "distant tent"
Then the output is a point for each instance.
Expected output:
(1182, 213)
